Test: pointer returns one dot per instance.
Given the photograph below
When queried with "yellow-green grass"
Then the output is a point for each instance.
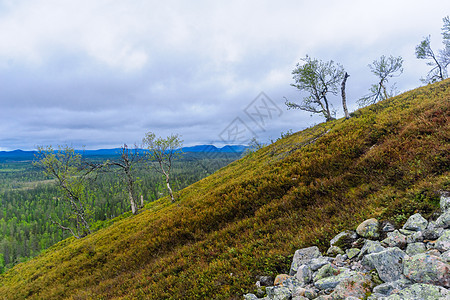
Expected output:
(388, 161)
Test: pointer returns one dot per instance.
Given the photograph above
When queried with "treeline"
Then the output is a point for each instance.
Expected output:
(28, 200)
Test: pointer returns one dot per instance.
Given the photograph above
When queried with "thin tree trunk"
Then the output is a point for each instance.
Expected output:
(344, 97)
(142, 201)
(133, 204)
(170, 190)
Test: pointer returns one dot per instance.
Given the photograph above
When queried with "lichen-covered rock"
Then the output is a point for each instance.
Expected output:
(326, 271)
(425, 268)
(358, 285)
(352, 252)
(443, 243)
(416, 237)
(266, 280)
(280, 278)
(304, 274)
(395, 239)
(444, 202)
(331, 282)
(368, 229)
(444, 220)
(392, 287)
(334, 250)
(446, 256)
(432, 234)
(415, 248)
(387, 227)
(388, 263)
(250, 297)
(370, 247)
(416, 223)
(302, 257)
(316, 263)
(304, 292)
(421, 292)
(344, 239)
(278, 293)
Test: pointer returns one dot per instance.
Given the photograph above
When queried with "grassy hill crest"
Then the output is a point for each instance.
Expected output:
(248, 218)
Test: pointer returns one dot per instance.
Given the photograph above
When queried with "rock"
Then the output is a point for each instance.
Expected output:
(344, 239)
(388, 263)
(334, 250)
(433, 252)
(358, 285)
(352, 252)
(331, 282)
(415, 248)
(444, 220)
(395, 239)
(302, 256)
(280, 279)
(417, 236)
(421, 292)
(299, 298)
(406, 232)
(368, 229)
(446, 256)
(444, 202)
(392, 287)
(303, 292)
(387, 227)
(370, 247)
(304, 274)
(266, 280)
(316, 263)
(359, 243)
(278, 293)
(443, 243)
(416, 223)
(424, 268)
(326, 271)
(250, 297)
(432, 234)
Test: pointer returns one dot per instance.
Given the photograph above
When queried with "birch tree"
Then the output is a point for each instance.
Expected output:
(318, 79)
(163, 151)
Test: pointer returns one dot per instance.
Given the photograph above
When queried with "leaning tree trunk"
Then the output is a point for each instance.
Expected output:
(344, 97)
(170, 190)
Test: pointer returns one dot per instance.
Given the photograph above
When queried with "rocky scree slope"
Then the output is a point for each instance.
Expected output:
(375, 262)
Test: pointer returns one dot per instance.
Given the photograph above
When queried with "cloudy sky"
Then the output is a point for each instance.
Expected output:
(100, 73)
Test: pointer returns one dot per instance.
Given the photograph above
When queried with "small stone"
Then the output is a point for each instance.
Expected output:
(415, 248)
(443, 243)
(370, 247)
(420, 291)
(302, 256)
(344, 239)
(433, 252)
(280, 279)
(416, 223)
(388, 263)
(368, 229)
(395, 239)
(352, 252)
(359, 243)
(424, 268)
(250, 297)
(387, 227)
(334, 250)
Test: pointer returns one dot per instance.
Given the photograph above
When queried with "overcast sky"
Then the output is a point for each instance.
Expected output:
(100, 73)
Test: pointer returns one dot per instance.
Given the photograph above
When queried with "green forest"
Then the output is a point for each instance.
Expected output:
(29, 198)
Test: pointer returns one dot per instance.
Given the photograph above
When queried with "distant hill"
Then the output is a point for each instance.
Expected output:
(387, 161)
(20, 155)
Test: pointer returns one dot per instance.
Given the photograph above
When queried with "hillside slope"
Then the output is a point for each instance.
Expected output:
(247, 219)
